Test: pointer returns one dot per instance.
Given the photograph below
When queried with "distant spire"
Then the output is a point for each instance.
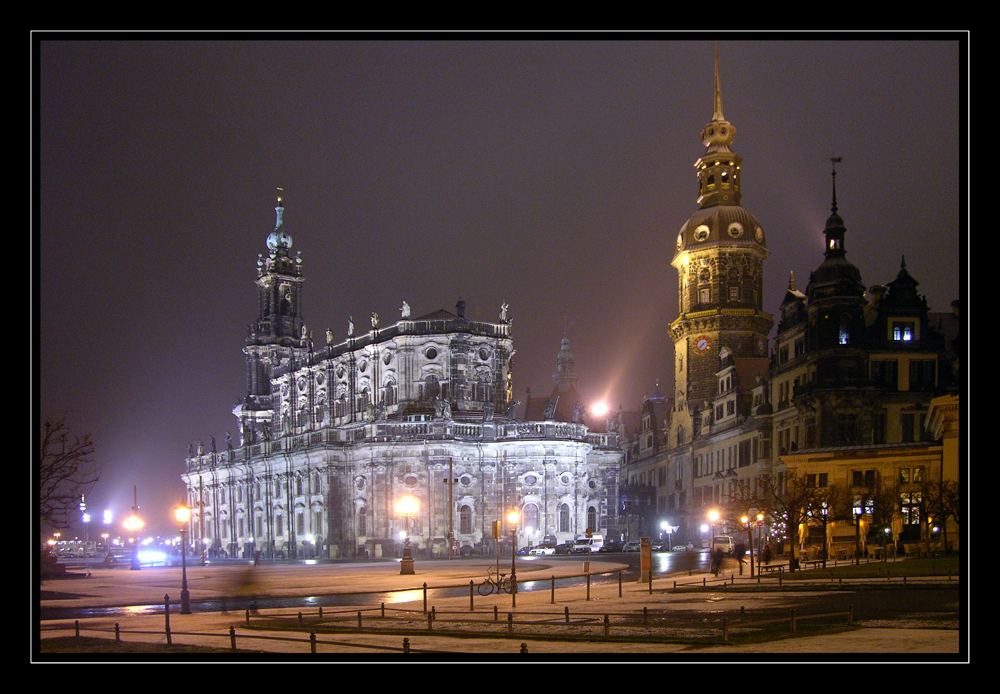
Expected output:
(791, 280)
(902, 263)
(717, 112)
(835, 161)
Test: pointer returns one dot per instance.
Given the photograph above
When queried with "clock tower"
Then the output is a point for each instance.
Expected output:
(719, 258)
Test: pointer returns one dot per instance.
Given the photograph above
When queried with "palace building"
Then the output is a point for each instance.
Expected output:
(858, 394)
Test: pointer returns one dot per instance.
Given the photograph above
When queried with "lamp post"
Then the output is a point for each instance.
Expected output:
(407, 507)
(183, 514)
(713, 518)
(749, 527)
(133, 525)
(512, 518)
(760, 552)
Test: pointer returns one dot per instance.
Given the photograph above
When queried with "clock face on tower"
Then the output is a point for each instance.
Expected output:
(702, 344)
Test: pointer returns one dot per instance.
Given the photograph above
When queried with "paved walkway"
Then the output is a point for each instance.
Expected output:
(120, 586)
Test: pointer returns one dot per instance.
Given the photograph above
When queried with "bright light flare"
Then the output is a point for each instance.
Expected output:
(599, 409)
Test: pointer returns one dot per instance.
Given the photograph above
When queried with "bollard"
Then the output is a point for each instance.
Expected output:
(312, 642)
(566, 609)
(76, 627)
(793, 619)
(166, 615)
(359, 620)
(118, 635)
(248, 616)
(510, 624)
(524, 647)
(619, 584)
(743, 615)
(553, 590)
(675, 586)
(607, 627)
(496, 617)
(434, 614)
(904, 580)
(703, 582)
(406, 645)
(321, 612)
(383, 610)
(588, 586)
(472, 607)
(425, 597)
(645, 615)
(232, 637)
(300, 619)
(430, 621)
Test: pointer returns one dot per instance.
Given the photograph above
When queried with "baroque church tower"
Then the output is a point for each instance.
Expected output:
(278, 335)
(719, 260)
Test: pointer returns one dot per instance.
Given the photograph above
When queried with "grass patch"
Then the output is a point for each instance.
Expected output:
(930, 566)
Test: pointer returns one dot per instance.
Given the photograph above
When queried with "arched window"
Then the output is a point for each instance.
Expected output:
(845, 329)
(591, 518)
(465, 520)
(362, 521)
(529, 517)
(564, 518)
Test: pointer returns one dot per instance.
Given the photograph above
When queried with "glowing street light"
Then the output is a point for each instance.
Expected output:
(407, 508)
(183, 514)
(513, 518)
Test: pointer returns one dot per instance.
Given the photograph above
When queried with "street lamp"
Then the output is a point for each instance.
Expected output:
(760, 552)
(407, 508)
(133, 525)
(513, 517)
(749, 527)
(183, 514)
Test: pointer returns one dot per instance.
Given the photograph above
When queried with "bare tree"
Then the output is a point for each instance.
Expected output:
(789, 499)
(67, 470)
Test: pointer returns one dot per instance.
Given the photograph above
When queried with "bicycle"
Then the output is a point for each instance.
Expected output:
(501, 583)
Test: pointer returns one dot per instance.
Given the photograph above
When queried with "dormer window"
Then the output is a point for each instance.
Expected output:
(903, 331)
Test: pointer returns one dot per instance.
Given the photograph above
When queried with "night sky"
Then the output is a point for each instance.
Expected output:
(553, 175)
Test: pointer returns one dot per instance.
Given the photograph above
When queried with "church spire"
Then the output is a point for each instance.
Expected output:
(719, 168)
(717, 114)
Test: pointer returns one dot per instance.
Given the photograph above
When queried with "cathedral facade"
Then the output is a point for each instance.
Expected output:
(332, 438)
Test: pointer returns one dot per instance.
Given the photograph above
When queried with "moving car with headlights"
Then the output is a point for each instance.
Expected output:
(543, 549)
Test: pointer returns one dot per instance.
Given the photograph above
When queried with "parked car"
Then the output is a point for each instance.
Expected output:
(523, 552)
(680, 548)
(565, 548)
(543, 549)
(631, 547)
(611, 547)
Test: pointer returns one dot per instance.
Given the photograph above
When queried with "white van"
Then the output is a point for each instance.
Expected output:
(588, 545)
(723, 542)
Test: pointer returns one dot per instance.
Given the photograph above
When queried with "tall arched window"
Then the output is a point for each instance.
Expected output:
(529, 517)
(362, 521)
(564, 518)
(465, 520)
(591, 518)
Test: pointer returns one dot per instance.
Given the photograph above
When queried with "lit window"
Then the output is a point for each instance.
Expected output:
(902, 332)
